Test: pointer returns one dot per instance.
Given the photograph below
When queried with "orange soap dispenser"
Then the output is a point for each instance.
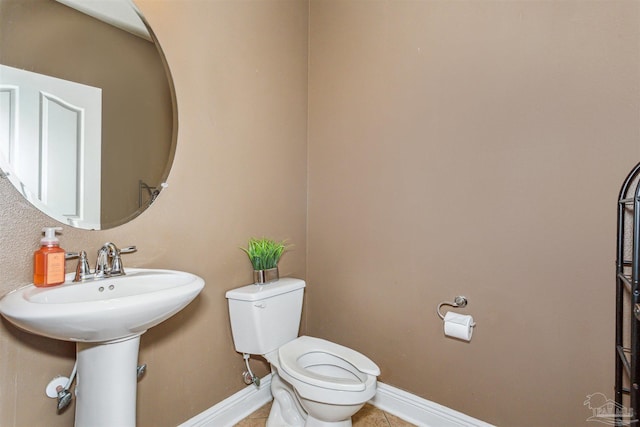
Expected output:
(48, 261)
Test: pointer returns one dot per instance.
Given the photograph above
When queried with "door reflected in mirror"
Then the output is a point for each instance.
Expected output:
(50, 144)
(136, 121)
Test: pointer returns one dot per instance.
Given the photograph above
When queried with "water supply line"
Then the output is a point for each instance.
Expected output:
(64, 395)
(249, 377)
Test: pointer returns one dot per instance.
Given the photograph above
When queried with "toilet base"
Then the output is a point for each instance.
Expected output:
(286, 410)
(332, 415)
(312, 422)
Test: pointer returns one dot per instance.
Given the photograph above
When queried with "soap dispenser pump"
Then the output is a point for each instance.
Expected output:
(48, 261)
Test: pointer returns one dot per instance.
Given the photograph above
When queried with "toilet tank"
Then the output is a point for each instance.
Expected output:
(264, 317)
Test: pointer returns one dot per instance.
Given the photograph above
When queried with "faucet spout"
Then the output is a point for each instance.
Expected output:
(103, 268)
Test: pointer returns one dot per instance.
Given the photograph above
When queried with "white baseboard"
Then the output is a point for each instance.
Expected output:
(407, 406)
(419, 411)
(234, 408)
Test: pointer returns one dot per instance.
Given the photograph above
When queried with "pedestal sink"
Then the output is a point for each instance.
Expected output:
(106, 318)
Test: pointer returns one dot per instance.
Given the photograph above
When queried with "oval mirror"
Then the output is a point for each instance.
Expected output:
(88, 118)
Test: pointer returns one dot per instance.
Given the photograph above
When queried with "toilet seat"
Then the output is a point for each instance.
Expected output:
(298, 356)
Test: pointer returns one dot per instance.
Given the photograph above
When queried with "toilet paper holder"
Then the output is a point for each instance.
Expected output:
(459, 301)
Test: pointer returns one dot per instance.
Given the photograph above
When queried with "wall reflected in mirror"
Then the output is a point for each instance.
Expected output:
(137, 122)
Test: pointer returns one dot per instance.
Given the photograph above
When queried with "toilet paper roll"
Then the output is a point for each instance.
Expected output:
(458, 326)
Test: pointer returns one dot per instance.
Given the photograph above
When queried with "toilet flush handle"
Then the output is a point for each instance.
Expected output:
(260, 305)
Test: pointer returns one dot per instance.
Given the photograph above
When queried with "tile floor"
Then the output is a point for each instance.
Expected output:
(368, 416)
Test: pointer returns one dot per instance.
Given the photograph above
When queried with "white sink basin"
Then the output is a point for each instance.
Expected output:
(101, 310)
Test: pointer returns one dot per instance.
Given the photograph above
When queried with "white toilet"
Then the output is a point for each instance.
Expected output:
(314, 382)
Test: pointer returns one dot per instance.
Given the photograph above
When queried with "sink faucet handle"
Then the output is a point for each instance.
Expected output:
(116, 262)
(82, 269)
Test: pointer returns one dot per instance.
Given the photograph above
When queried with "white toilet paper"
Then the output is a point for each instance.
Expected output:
(458, 326)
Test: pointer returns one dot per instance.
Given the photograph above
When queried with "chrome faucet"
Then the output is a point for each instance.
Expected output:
(108, 263)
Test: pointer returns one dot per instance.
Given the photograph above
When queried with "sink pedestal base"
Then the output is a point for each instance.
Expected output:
(107, 383)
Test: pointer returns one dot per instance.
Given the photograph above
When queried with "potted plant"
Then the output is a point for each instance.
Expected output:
(264, 255)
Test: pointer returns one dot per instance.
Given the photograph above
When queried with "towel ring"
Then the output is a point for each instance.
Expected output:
(459, 301)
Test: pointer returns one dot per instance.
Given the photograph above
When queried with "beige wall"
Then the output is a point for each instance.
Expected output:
(468, 148)
(472, 148)
(240, 71)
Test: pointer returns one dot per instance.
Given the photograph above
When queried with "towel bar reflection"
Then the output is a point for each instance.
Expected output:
(459, 301)
(152, 192)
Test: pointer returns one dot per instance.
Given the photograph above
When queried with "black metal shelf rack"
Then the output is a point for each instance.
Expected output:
(627, 381)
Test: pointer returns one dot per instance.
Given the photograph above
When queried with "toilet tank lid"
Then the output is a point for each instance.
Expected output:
(260, 292)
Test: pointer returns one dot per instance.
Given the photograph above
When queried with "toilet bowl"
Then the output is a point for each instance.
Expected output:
(315, 383)
(332, 382)
(326, 372)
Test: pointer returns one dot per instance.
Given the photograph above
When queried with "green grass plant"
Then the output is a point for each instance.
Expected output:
(264, 253)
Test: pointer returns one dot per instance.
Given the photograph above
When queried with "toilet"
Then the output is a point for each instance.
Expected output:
(314, 382)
